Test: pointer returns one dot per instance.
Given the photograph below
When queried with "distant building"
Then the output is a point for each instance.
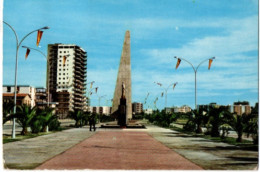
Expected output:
(240, 108)
(169, 109)
(182, 109)
(104, 110)
(20, 98)
(148, 111)
(207, 106)
(22, 92)
(66, 77)
(137, 108)
(41, 98)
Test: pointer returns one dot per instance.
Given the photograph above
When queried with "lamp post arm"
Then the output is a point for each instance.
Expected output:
(36, 50)
(201, 63)
(27, 36)
(16, 37)
(188, 62)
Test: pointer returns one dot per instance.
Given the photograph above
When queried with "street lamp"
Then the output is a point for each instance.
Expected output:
(89, 93)
(29, 48)
(99, 99)
(18, 44)
(195, 71)
(166, 90)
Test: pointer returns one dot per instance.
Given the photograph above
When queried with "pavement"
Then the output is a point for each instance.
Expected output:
(150, 148)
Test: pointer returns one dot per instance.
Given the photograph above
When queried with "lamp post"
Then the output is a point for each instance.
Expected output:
(89, 93)
(18, 44)
(99, 99)
(145, 100)
(195, 71)
(166, 90)
(29, 48)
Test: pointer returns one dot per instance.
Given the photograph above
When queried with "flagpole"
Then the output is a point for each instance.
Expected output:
(16, 67)
(195, 72)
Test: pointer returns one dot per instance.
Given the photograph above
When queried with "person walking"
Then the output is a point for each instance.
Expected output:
(92, 123)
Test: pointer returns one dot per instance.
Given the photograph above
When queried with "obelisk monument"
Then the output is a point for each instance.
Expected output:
(124, 76)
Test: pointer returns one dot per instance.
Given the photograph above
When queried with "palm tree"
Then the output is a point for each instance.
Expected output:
(239, 123)
(77, 115)
(46, 117)
(7, 110)
(24, 116)
(196, 120)
(252, 127)
(217, 117)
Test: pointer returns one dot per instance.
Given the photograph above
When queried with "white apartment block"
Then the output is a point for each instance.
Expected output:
(66, 77)
(104, 110)
(22, 89)
(182, 109)
(148, 111)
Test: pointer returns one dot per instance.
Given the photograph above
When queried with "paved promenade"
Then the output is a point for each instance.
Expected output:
(151, 148)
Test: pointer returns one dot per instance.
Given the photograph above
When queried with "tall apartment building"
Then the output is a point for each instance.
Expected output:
(137, 108)
(66, 77)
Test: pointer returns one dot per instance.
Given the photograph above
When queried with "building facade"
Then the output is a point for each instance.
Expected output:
(103, 110)
(41, 99)
(137, 108)
(240, 108)
(148, 111)
(182, 109)
(66, 77)
(22, 92)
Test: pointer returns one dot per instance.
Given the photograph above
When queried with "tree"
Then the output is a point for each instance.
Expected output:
(196, 120)
(46, 117)
(252, 126)
(217, 117)
(7, 111)
(239, 123)
(78, 116)
(24, 116)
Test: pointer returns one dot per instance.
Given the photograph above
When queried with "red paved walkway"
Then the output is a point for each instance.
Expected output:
(119, 150)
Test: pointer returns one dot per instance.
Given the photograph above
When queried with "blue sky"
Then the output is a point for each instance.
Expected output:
(159, 29)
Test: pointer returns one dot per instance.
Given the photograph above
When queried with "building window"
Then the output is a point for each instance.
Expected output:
(60, 51)
(8, 89)
(64, 78)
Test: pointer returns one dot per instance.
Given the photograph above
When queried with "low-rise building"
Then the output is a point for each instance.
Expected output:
(182, 109)
(20, 98)
(148, 111)
(21, 92)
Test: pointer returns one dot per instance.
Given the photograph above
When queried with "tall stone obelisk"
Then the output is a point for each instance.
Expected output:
(124, 76)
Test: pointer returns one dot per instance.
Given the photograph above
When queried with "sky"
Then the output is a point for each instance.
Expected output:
(195, 30)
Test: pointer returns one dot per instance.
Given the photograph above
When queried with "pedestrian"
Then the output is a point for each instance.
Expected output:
(92, 123)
